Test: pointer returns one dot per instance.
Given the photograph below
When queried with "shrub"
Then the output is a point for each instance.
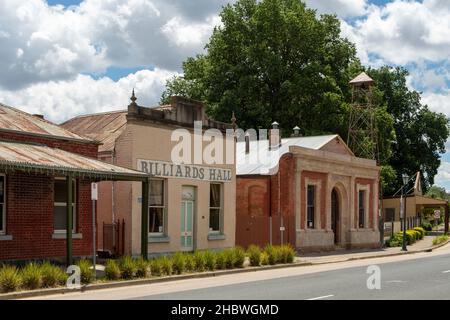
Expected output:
(31, 276)
(87, 274)
(52, 275)
(286, 254)
(427, 226)
(166, 265)
(421, 231)
(230, 258)
(127, 267)
(239, 257)
(189, 262)
(9, 279)
(210, 260)
(411, 236)
(142, 268)
(199, 259)
(112, 270)
(272, 254)
(264, 259)
(156, 267)
(221, 262)
(254, 253)
(179, 263)
(440, 239)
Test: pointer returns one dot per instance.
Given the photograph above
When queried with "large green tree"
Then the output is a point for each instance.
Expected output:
(276, 60)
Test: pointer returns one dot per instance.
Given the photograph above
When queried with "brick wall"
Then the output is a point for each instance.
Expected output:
(29, 219)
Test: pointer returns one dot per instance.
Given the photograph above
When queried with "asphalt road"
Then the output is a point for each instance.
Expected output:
(418, 276)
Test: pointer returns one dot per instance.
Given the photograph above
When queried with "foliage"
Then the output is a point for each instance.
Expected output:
(9, 279)
(421, 231)
(127, 267)
(179, 263)
(440, 239)
(264, 258)
(210, 260)
(254, 253)
(286, 254)
(52, 275)
(112, 270)
(189, 262)
(437, 192)
(239, 257)
(156, 267)
(166, 266)
(31, 276)
(142, 268)
(87, 273)
(272, 254)
(221, 262)
(230, 258)
(427, 226)
(200, 262)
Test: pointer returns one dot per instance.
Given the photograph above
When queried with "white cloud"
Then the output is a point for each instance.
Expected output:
(439, 102)
(443, 177)
(61, 100)
(343, 8)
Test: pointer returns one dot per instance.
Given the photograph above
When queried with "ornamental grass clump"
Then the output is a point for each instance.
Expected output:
(156, 267)
(166, 265)
(200, 262)
(210, 260)
(9, 279)
(189, 262)
(230, 258)
(272, 254)
(87, 273)
(264, 258)
(239, 257)
(254, 254)
(112, 270)
(286, 254)
(221, 262)
(179, 263)
(142, 268)
(31, 276)
(52, 276)
(127, 267)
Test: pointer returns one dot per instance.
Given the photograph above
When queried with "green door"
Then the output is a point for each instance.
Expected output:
(187, 220)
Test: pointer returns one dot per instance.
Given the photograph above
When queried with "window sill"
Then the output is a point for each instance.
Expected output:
(58, 236)
(6, 237)
(216, 236)
(158, 239)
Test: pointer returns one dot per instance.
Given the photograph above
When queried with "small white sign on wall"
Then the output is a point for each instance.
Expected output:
(94, 191)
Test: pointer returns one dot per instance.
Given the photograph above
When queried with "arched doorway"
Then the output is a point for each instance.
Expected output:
(335, 215)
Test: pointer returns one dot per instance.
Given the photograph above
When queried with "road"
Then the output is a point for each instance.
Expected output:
(418, 276)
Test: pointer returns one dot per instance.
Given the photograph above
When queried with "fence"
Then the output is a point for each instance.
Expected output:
(114, 238)
(392, 227)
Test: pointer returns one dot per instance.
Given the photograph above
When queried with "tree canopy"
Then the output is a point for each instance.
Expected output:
(277, 60)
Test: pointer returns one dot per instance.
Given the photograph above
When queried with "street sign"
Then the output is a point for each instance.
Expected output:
(282, 229)
(94, 191)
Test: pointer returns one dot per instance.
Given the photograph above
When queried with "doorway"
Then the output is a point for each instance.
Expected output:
(187, 218)
(335, 216)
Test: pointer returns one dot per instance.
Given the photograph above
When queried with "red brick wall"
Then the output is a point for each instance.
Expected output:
(86, 149)
(29, 219)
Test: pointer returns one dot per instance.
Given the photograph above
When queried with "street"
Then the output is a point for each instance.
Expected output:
(417, 276)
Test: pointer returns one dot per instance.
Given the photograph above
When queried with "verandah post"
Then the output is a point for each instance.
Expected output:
(69, 216)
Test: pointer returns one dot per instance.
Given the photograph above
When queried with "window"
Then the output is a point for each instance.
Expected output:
(60, 199)
(156, 207)
(2, 204)
(362, 208)
(311, 200)
(215, 207)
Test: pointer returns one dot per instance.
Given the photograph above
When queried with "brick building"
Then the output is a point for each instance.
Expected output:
(311, 192)
(38, 159)
(191, 205)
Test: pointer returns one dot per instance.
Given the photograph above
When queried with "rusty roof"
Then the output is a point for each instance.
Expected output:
(12, 119)
(103, 127)
(40, 158)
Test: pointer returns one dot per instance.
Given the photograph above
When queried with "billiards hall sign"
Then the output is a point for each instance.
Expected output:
(163, 169)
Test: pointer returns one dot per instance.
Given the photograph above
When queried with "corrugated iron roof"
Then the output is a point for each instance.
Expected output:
(103, 127)
(17, 120)
(362, 78)
(261, 160)
(30, 156)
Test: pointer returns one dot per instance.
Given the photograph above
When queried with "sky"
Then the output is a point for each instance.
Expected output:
(62, 58)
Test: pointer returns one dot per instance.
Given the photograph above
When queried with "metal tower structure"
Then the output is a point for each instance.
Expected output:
(362, 131)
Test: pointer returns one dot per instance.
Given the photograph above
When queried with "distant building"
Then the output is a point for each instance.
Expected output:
(314, 194)
(190, 206)
(43, 168)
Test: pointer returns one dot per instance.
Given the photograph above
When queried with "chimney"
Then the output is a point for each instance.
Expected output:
(40, 116)
(274, 136)
(247, 143)
(296, 132)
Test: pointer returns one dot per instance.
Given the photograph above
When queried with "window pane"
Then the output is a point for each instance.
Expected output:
(362, 208)
(59, 218)
(214, 195)
(311, 195)
(156, 193)
(310, 206)
(156, 217)
(1, 218)
(2, 189)
(214, 219)
(61, 191)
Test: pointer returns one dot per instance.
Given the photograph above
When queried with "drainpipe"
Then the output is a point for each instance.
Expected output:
(270, 210)
(113, 203)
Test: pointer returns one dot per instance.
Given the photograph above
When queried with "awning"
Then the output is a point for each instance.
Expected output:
(41, 159)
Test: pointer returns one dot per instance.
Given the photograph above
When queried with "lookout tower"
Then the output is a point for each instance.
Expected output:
(362, 132)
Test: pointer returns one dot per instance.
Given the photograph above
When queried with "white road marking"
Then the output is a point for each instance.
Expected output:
(395, 281)
(446, 271)
(322, 297)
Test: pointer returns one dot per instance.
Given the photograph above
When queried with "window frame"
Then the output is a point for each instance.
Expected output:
(220, 231)
(63, 204)
(311, 206)
(163, 207)
(3, 228)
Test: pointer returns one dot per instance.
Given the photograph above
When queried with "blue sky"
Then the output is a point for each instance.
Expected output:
(86, 56)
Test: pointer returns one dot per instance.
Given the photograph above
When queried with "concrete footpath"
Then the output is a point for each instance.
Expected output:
(426, 244)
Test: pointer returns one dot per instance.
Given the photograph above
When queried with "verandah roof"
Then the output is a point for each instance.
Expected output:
(42, 159)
